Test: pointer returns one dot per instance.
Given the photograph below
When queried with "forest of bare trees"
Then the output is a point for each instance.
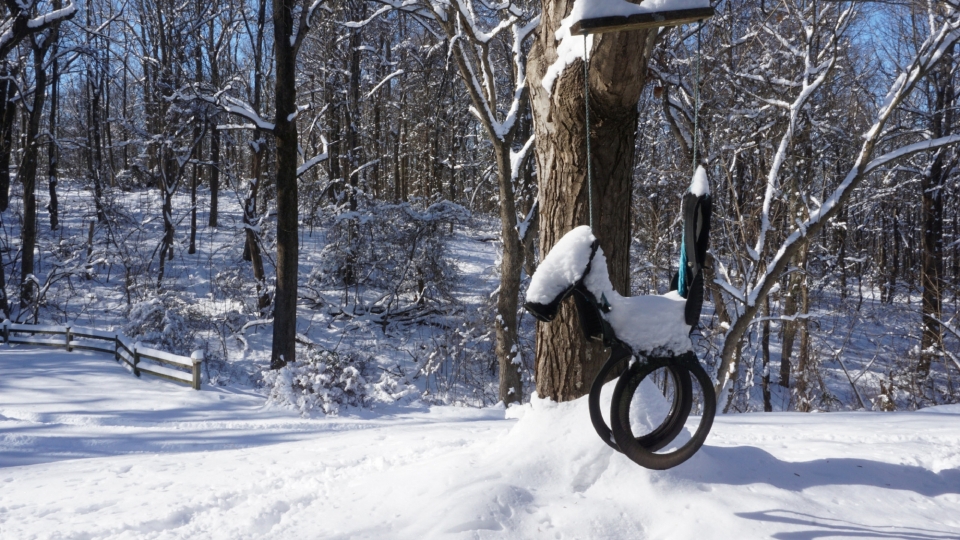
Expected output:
(828, 129)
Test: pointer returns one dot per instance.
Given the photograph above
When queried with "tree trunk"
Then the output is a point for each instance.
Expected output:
(285, 299)
(214, 173)
(194, 180)
(804, 367)
(252, 245)
(4, 304)
(251, 248)
(214, 134)
(566, 364)
(8, 115)
(765, 348)
(791, 305)
(53, 154)
(95, 151)
(256, 157)
(28, 172)
(932, 187)
(511, 385)
(895, 257)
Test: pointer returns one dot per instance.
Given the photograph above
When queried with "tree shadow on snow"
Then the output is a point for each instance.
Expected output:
(826, 527)
(743, 465)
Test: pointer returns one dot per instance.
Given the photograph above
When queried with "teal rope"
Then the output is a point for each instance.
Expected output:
(682, 276)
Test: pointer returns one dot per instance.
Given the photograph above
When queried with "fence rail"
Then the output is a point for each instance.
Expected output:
(131, 354)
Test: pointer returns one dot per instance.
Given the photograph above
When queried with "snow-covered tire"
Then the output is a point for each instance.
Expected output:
(671, 426)
(623, 393)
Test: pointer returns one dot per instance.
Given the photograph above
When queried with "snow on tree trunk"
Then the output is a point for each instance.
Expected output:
(566, 363)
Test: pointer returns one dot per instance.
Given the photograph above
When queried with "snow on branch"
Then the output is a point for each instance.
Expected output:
(385, 80)
(524, 226)
(310, 163)
(808, 88)
(940, 40)
(516, 158)
(353, 25)
(243, 109)
(43, 21)
(305, 24)
(14, 29)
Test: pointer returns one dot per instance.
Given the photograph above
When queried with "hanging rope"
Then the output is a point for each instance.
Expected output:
(696, 101)
(586, 104)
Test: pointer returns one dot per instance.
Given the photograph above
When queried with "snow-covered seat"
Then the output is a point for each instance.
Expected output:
(653, 329)
(650, 325)
(654, 325)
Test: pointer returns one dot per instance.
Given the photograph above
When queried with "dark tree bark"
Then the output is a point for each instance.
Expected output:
(765, 348)
(53, 153)
(251, 250)
(29, 165)
(566, 364)
(933, 184)
(214, 133)
(285, 130)
(8, 115)
(94, 150)
(4, 304)
(214, 174)
(796, 291)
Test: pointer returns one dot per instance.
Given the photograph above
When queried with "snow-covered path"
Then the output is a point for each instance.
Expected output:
(88, 451)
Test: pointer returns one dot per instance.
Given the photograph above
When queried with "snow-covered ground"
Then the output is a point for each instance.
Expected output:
(89, 451)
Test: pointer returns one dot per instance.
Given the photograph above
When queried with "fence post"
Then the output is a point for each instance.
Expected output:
(69, 348)
(6, 330)
(136, 358)
(116, 348)
(197, 357)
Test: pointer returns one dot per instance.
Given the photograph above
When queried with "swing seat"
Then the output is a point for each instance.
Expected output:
(652, 329)
(649, 324)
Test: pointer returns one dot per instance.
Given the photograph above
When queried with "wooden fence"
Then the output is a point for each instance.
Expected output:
(140, 359)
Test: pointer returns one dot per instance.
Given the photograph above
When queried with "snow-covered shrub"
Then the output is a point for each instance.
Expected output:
(324, 381)
(395, 250)
(459, 365)
(160, 322)
(393, 388)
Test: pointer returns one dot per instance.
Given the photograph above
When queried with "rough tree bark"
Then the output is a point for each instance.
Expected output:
(285, 48)
(933, 184)
(28, 176)
(29, 165)
(212, 48)
(565, 363)
(8, 115)
(53, 152)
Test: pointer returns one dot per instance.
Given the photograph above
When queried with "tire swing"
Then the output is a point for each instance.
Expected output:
(645, 333)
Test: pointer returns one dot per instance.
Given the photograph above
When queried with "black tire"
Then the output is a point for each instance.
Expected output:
(620, 409)
(618, 356)
(671, 425)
